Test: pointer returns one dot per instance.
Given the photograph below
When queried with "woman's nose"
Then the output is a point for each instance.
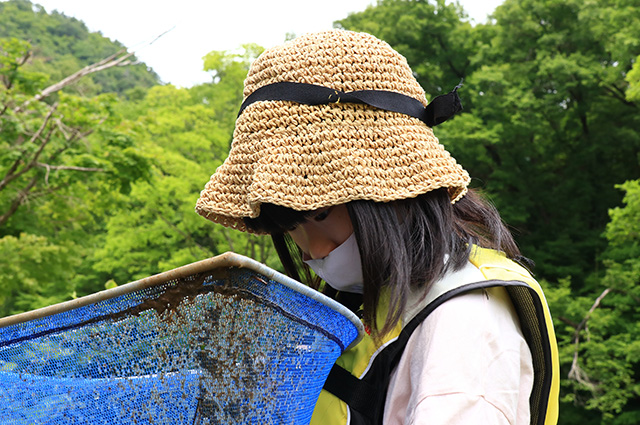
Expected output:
(313, 242)
(320, 247)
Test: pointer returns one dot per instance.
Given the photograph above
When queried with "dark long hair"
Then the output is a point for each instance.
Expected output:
(403, 244)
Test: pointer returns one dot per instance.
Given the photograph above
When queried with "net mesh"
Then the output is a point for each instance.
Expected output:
(223, 347)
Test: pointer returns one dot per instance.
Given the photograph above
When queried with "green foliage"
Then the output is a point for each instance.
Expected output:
(633, 78)
(36, 273)
(230, 65)
(62, 45)
(11, 76)
(223, 97)
(599, 334)
(58, 161)
(623, 232)
(84, 171)
(50, 148)
(186, 134)
(556, 74)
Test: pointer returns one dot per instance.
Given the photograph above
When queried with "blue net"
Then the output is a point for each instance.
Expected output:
(225, 347)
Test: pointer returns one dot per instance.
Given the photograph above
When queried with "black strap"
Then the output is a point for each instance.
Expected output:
(367, 395)
(437, 111)
(357, 393)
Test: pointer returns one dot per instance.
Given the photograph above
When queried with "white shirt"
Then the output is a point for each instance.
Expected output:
(467, 363)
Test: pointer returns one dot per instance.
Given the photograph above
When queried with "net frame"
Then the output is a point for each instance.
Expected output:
(226, 260)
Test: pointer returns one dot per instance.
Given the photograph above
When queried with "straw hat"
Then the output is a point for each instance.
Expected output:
(307, 136)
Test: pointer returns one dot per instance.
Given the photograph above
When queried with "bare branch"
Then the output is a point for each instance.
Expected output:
(72, 134)
(576, 372)
(42, 192)
(579, 375)
(119, 58)
(65, 167)
(68, 167)
(25, 58)
(108, 62)
(37, 134)
(161, 35)
(595, 305)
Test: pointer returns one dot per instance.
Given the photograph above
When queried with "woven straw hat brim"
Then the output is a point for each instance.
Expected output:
(308, 157)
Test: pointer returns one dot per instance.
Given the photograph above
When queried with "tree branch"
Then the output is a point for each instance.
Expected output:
(228, 238)
(117, 59)
(18, 200)
(65, 167)
(595, 305)
(576, 373)
(37, 134)
(568, 322)
(43, 192)
(618, 94)
(184, 235)
(71, 134)
(8, 82)
(11, 174)
(70, 137)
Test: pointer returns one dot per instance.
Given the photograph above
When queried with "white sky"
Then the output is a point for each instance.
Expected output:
(200, 26)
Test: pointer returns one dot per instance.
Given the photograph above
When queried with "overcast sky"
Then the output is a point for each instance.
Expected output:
(200, 26)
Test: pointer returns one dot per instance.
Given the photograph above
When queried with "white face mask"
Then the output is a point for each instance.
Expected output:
(342, 268)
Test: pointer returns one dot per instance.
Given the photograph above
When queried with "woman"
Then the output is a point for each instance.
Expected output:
(334, 156)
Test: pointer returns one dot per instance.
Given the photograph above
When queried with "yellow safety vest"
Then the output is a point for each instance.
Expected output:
(361, 375)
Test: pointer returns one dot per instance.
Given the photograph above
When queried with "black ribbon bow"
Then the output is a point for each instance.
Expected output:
(437, 111)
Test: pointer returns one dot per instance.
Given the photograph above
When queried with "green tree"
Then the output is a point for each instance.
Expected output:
(48, 147)
(551, 88)
(633, 78)
(599, 333)
(78, 173)
(36, 272)
(186, 133)
(59, 156)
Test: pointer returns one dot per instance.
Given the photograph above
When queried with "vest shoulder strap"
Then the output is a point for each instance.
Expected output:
(366, 397)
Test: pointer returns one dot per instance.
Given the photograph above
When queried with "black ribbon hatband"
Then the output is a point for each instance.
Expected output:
(437, 111)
